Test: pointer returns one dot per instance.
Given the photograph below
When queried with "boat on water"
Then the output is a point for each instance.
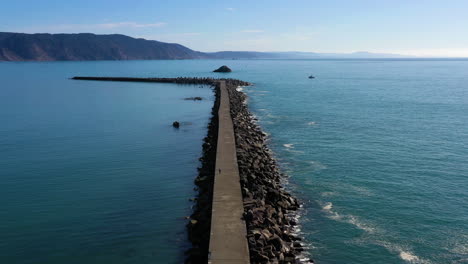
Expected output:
(311, 77)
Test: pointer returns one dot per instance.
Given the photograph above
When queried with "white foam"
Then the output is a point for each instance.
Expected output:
(327, 206)
(288, 145)
(404, 254)
(240, 88)
(350, 219)
(358, 189)
(408, 256)
(353, 220)
(458, 243)
(461, 249)
(317, 165)
(311, 123)
(294, 151)
(327, 194)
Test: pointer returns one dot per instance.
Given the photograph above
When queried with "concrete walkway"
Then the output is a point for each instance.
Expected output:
(228, 237)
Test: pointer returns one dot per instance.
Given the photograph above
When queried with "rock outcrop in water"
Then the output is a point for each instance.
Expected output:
(223, 68)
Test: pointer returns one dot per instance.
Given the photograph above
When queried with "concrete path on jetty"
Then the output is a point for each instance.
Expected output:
(228, 237)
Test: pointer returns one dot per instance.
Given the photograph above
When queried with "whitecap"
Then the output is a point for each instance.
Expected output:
(288, 145)
(240, 88)
(311, 123)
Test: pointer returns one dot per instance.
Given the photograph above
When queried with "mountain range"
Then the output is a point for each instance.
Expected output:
(87, 46)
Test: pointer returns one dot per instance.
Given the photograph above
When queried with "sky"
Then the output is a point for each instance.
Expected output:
(429, 28)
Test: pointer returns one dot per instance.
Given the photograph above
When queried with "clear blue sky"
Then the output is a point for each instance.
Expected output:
(416, 27)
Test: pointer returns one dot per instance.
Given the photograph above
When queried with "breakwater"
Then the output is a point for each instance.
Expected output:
(178, 80)
(228, 235)
(266, 206)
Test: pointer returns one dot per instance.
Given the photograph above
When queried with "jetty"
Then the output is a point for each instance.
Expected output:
(242, 213)
(228, 235)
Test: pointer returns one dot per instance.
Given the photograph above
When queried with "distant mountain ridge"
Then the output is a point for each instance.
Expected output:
(88, 46)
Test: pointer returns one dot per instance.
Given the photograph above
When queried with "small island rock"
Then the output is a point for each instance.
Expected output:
(223, 68)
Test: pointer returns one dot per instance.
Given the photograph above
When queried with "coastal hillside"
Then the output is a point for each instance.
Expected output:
(86, 46)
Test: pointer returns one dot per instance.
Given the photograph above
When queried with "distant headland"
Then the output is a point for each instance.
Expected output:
(87, 46)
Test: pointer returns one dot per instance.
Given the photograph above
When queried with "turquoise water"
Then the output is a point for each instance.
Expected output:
(376, 149)
(94, 172)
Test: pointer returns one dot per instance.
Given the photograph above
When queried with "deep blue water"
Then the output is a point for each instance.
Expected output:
(377, 150)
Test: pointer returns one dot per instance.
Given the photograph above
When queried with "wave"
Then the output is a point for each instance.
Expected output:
(260, 91)
(317, 165)
(291, 150)
(240, 88)
(405, 254)
(347, 218)
(311, 123)
(408, 256)
(353, 189)
(288, 145)
(327, 206)
(269, 115)
(461, 249)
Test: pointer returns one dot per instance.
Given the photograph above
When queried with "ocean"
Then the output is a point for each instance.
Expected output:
(376, 150)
